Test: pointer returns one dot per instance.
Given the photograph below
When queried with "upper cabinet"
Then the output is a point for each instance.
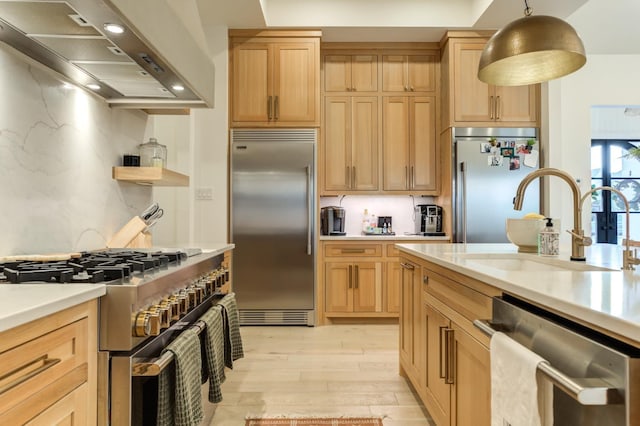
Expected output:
(467, 101)
(275, 78)
(409, 73)
(350, 73)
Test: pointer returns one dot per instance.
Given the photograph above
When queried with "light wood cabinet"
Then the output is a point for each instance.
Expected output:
(409, 73)
(274, 78)
(409, 144)
(411, 342)
(353, 287)
(350, 73)
(350, 143)
(453, 374)
(472, 102)
(49, 369)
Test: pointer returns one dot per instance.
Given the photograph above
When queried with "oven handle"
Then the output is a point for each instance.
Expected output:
(586, 391)
(146, 367)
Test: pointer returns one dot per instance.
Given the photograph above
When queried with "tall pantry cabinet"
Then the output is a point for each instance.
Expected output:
(274, 78)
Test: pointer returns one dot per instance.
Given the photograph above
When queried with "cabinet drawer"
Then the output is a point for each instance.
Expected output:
(348, 250)
(392, 250)
(467, 301)
(37, 373)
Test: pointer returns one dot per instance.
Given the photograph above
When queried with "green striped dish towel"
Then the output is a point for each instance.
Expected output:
(179, 397)
(214, 351)
(233, 341)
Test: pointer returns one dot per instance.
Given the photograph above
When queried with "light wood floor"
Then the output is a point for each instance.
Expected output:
(335, 370)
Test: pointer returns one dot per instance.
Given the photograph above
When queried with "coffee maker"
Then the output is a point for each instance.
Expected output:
(332, 220)
(428, 219)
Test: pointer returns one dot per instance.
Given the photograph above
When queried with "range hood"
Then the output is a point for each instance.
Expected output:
(153, 64)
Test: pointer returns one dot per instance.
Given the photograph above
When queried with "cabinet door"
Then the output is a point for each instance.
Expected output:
(394, 71)
(393, 282)
(472, 98)
(422, 135)
(296, 87)
(471, 372)
(251, 82)
(337, 143)
(364, 73)
(337, 73)
(70, 410)
(437, 391)
(364, 143)
(421, 73)
(367, 294)
(516, 103)
(406, 312)
(338, 287)
(395, 143)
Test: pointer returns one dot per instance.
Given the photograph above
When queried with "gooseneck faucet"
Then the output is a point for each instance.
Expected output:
(628, 257)
(578, 239)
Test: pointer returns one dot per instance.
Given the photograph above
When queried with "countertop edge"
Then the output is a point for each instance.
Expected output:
(67, 296)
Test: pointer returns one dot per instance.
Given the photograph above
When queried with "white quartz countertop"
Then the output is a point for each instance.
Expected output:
(400, 237)
(609, 299)
(21, 303)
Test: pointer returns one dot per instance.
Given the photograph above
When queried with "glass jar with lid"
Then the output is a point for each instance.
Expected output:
(153, 154)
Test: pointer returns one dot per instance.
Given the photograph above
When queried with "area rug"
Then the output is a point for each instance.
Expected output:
(355, 421)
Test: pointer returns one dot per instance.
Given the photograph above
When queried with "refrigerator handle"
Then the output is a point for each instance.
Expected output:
(463, 201)
(309, 209)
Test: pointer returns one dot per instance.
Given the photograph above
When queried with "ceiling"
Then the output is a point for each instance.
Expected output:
(606, 27)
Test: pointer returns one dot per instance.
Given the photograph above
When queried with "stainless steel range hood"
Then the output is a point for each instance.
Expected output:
(143, 67)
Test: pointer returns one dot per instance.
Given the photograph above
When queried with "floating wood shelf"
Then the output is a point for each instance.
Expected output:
(150, 176)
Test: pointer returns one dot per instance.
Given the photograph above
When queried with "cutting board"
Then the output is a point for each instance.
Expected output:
(51, 257)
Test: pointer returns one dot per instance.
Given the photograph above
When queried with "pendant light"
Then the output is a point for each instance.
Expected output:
(531, 50)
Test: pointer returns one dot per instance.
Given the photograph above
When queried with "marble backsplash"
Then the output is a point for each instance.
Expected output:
(58, 144)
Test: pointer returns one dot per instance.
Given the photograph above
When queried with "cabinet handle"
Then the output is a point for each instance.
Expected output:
(357, 277)
(491, 104)
(352, 250)
(407, 266)
(406, 176)
(27, 371)
(269, 109)
(277, 107)
(425, 279)
(412, 89)
(348, 178)
(353, 169)
(451, 360)
(497, 107)
(442, 355)
(413, 178)
(406, 88)
(350, 277)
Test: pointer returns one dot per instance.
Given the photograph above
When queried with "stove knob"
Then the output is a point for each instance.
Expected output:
(163, 309)
(154, 323)
(142, 327)
(174, 307)
(191, 295)
(200, 293)
(183, 300)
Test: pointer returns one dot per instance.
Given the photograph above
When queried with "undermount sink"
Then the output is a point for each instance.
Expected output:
(520, 262)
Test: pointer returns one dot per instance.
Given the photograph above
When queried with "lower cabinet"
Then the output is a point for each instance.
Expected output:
(49, 369)
(359, 280)
(450, 368)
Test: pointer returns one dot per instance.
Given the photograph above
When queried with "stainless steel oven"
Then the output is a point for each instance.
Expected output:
(596, 378)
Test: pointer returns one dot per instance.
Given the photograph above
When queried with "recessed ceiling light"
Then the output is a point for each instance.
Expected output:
(93, 86)
(114, 28)
(178, 87)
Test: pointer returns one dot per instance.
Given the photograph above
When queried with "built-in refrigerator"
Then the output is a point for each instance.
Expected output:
(272, 209)
(488, 165)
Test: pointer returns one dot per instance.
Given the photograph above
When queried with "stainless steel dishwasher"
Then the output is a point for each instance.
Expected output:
(596, 378)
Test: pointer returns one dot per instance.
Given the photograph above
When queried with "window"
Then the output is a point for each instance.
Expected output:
(611, 166)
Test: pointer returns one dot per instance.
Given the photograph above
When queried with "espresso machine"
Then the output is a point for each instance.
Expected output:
(332, 220)
(428, 219)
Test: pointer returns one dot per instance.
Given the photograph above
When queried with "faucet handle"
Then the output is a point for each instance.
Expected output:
(584, 240)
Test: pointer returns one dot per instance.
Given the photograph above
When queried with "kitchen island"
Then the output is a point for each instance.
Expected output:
(445, 287)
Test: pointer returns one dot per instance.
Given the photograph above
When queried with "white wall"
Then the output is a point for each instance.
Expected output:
(57, 149)
(604, 80)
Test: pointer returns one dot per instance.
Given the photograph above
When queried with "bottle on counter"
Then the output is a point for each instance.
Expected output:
(373, 223)
(549, 240)
(365, 221)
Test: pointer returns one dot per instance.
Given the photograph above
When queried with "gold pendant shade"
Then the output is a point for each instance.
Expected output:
(531, 50)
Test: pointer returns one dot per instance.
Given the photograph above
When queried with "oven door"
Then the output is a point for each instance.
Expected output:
(593, 375)
(131, 392)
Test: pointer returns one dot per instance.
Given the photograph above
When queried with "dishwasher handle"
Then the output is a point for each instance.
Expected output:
(586, 391)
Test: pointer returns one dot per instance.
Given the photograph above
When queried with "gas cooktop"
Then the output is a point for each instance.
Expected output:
(109, 266)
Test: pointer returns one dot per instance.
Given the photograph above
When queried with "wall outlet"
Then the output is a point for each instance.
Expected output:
(204, 193)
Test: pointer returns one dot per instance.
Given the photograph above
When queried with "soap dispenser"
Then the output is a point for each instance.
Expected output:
(549, 240)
